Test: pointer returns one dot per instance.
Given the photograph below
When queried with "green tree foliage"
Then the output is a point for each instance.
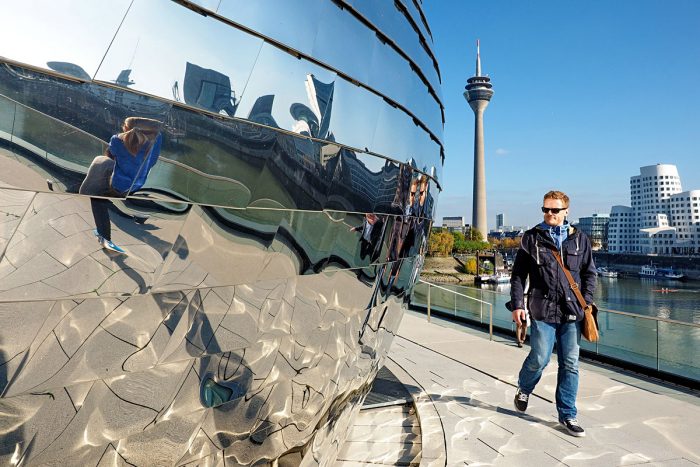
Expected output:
(464, 244)
(459, 244)
(440, 243)
(476, 245)
(474, 235)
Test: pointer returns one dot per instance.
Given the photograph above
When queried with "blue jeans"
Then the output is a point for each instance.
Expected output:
(542, 337)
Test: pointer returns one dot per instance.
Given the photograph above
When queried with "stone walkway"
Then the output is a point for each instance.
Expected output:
(464, 387)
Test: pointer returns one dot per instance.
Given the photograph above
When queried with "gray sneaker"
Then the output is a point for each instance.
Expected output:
(520, 401)
(571, 425)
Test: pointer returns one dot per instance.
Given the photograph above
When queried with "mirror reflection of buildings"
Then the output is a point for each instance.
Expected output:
(120, 171)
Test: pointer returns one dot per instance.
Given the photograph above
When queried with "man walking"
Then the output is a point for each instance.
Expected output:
(554, 310)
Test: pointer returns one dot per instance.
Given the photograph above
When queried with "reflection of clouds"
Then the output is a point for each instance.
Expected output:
(301, 127)
(58, 33)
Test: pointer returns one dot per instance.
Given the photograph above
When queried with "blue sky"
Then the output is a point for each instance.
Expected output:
(585, 94)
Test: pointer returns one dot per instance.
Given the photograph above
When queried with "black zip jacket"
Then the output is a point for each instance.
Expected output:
(550, 298)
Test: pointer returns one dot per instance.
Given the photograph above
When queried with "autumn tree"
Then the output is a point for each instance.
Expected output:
(440, 243)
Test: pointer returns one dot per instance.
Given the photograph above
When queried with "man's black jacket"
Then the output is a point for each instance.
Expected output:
(550, 298)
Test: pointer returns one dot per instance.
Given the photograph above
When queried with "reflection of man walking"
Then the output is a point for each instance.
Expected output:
(555, 312)
(122, 170)
(370, 235)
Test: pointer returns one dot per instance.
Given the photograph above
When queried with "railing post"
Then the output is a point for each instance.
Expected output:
(455, 307)
(490, 321)
(657, 346)
(429, 302)
(481, 313)
(481, 305)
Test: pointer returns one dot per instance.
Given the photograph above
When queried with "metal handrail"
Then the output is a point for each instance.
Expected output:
(607, 310)
(105, 143)
(611, 312)
(490, 305)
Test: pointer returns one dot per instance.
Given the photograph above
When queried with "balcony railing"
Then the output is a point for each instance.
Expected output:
(665, 345)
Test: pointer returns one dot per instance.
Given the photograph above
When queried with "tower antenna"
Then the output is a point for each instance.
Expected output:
(478, 59)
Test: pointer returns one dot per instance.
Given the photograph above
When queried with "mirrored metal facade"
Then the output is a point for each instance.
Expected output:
(267, 252)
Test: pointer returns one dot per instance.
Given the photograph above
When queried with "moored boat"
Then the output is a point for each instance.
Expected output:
(605, 272)
(653, 272)
(499, 278)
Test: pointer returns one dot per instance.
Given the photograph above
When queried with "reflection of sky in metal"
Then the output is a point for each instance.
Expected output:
(151, 43)
(52, 34)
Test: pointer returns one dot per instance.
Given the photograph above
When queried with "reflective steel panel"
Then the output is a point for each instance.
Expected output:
(297, 99)
(53, 251)
(70, 39)
(234, 302)
(291, 22)
(208, 67)
(384, 15)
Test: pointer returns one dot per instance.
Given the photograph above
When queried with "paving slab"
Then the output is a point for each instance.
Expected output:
(466, 384)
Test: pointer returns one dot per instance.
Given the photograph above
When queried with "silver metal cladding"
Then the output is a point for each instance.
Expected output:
(235, 305)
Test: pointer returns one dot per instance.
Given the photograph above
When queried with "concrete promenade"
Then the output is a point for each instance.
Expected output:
(464, 385)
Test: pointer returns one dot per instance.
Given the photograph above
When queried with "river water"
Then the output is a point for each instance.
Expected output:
(668, 346)
(667, 299)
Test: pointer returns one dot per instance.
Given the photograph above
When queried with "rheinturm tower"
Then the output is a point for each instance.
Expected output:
(478, 93)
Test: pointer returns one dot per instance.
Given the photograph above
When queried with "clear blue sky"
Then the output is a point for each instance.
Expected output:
(585, 94)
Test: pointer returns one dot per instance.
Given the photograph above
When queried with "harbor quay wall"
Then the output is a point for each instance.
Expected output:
(630, 264)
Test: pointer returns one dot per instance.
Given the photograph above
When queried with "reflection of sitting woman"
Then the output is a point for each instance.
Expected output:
(122, 170)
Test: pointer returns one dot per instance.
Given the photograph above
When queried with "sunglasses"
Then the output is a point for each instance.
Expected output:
(552, 210)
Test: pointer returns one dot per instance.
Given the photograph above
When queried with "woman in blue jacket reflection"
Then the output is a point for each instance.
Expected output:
(121, 170)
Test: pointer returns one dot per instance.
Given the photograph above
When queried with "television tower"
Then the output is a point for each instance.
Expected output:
(478, 93)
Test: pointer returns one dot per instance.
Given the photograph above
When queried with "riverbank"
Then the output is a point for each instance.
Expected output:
(631, 264)
(445, 270)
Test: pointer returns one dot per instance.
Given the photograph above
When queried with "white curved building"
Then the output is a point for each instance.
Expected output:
(662, 218)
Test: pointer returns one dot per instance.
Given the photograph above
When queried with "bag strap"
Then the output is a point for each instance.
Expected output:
(572, 282)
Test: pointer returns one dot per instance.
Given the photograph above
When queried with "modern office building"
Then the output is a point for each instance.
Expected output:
(276, 238)
(500, 221)
(596, 227)
(662, 219)
(455, 224)
(479, 93)
(511, 232)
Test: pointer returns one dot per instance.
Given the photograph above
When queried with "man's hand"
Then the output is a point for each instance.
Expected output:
(519, 316)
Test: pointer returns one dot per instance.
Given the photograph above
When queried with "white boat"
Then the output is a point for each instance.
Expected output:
(605, 272)
(660, 273)
(482, 278)
(499, 278)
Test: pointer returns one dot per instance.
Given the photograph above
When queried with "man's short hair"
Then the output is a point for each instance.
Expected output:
(557, 195)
